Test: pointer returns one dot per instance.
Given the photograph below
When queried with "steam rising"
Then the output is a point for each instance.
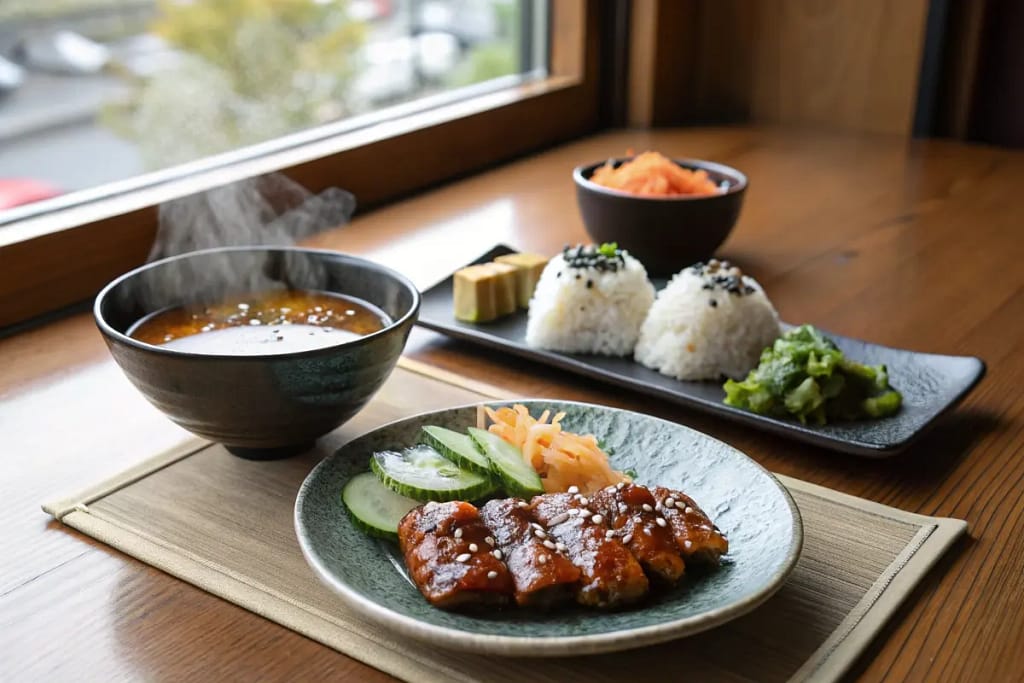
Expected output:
(267, 211)
(271, 210)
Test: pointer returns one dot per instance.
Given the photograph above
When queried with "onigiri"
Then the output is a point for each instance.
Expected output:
(710, 321)
(590, 300)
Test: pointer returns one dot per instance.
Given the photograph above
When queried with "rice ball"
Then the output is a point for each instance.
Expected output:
(710, 321)
(590, 300)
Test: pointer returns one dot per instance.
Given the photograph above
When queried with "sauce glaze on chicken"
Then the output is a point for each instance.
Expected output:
(603, 551)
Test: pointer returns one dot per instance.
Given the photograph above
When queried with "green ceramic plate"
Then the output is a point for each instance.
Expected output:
(744, 500)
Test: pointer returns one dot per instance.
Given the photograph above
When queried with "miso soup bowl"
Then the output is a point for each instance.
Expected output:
(259, 406)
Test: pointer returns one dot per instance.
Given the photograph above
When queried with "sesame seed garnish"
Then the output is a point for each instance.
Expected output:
(574, 489)
(489, 541)
(670, 502)
(584, 500)
(573, 512)
(687, 509)
(609, 489)
(548, 544)
(536, 526)
(623, 508)
(521, 504)
(687, 543)
(621, 485)
(680, 505)
(543, 559)
(609, 534)
(647, 508)
(597, 519)
(473, 547)
(559, 518)
(497, 554)
(458, 533)
(660, 521)
(492, 574)
(464, 557)
(539, 533)
(560, 546)
(584, 512)
(627, 538)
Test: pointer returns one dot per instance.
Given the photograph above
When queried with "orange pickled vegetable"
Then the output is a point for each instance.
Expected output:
(654, 175)
(562, 459)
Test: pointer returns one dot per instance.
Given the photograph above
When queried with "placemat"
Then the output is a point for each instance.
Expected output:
(225, 525)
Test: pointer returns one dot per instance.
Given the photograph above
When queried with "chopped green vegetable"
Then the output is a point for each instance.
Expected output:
(609, 249)
(805, 374)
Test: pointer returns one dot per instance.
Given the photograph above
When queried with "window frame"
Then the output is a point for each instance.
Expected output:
(56, 259)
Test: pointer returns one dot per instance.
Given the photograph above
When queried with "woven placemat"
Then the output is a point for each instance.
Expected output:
(225, 525)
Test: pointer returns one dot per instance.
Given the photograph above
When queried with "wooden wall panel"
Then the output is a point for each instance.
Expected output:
(841, 64)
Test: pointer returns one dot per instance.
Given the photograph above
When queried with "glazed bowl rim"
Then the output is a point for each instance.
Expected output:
(738, 177)
(120, 337)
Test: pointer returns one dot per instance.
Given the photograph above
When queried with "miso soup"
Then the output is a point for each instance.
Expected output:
(262, 323)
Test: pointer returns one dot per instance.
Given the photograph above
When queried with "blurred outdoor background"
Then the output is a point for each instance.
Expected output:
(95, 91)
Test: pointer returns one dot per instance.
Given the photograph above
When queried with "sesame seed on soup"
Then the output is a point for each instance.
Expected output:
(262, 323)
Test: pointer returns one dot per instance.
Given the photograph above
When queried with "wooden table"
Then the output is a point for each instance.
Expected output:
(910, 244)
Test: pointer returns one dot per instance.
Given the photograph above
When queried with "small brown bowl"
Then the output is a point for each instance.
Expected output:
(666, 234)
(259, 406)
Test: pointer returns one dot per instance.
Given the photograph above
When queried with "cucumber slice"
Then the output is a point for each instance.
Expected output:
(507, 462)
(458, 448)
(375, 508)
(422, 473)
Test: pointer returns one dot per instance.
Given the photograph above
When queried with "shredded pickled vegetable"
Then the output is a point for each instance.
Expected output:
(561, 458)
(653, 174)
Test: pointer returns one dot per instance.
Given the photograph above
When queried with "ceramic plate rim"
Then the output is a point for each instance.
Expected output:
(548, 646)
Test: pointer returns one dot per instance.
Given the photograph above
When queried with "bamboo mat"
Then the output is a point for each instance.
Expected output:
(225, 525)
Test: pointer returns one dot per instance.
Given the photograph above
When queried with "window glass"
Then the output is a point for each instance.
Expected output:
(98, 91)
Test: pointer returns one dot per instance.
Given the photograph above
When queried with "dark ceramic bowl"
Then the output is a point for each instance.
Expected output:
(665, 233)
(265, 405)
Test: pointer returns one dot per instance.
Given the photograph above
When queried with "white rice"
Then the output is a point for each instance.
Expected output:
(688, 337)
(604, 318)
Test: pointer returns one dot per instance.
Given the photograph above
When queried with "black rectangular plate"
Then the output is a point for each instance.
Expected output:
(931, 384)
